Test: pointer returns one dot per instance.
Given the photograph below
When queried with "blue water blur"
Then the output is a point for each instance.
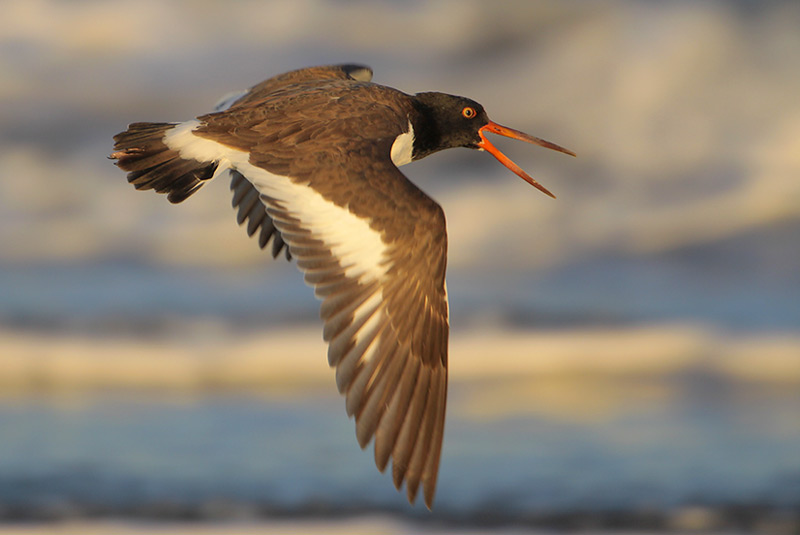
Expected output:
(131, 455)
(597, 292)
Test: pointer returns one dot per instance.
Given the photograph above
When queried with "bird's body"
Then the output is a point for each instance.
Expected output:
(314, 155)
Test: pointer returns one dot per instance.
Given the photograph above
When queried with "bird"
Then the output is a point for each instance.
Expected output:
(313, 157)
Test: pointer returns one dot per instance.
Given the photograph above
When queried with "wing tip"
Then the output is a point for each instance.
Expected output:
(360, 73)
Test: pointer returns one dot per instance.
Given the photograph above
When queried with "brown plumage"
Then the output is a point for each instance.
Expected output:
(313, 156)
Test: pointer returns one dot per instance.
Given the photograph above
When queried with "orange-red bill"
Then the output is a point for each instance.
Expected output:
(522, 136)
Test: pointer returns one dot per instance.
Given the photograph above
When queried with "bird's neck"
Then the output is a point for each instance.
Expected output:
(403, 146)
(427, 135)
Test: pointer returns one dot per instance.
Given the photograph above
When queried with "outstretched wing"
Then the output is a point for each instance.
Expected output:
(384, 306)
(310, 155)
(371, 244)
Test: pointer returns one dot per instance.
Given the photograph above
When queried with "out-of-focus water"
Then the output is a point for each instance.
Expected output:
(593, 292)
(680, 216)
(713, 445)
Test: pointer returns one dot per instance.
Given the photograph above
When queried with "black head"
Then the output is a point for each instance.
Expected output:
(447, 121)
(450, 121)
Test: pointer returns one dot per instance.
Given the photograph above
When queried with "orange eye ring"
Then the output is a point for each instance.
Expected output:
(468, 112)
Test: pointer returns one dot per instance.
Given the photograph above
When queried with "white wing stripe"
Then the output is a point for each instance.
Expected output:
(358, 248)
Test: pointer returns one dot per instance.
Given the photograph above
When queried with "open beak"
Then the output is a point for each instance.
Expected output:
(522, 136)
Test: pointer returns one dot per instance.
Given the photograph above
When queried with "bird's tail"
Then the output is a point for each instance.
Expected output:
(151, 164)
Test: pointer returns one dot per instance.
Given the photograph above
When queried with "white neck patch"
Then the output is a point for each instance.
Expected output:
(403, 147)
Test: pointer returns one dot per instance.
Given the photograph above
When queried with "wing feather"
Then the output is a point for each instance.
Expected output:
(389, 426)
(412, 420)
(247, 201)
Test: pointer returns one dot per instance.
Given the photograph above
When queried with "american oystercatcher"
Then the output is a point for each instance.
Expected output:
(313, 156)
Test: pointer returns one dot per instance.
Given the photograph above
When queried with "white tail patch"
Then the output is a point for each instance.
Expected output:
(183, 140)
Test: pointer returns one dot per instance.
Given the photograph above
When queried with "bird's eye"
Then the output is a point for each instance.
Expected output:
(468, 112)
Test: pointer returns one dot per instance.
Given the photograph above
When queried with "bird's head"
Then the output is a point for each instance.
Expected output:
(452, 121)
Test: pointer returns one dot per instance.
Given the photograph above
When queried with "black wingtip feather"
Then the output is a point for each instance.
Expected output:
(251, 209)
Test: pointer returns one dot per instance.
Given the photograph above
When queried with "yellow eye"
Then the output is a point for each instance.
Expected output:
(468, 112)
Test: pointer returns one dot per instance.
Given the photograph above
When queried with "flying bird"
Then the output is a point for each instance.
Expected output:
(313, 158)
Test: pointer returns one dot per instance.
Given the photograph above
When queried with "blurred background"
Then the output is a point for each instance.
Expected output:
(624, 357)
